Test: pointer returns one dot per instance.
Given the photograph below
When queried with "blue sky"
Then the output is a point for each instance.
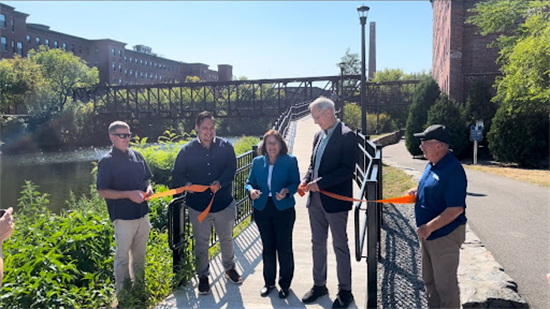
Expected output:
(261, 39)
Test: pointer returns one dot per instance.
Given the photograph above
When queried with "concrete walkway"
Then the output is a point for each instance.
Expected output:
(248, 249)
(512, 220)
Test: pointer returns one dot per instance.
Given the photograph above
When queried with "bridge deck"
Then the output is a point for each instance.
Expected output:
(248, 250)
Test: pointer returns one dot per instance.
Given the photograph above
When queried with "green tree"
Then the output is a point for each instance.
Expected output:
(388, 95)
(352, 64)
(449, 113)
(424, 97)
(521, 125)
(21, 82)
(64, 72)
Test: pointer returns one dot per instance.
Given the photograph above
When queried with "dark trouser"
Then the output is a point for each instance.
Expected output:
(276, 232)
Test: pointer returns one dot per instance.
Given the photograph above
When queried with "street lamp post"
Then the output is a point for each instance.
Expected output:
(363, 11)
(342, 102)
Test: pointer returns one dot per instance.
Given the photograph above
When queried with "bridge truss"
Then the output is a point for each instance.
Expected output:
(237, 99)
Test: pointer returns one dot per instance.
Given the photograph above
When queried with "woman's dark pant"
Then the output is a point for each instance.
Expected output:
(276, 232)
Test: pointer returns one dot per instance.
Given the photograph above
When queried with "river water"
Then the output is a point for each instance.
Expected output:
(55, 173)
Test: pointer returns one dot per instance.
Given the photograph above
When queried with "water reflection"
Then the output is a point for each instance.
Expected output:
(55, 173)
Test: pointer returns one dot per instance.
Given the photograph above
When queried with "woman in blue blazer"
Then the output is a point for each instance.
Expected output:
(272, 183)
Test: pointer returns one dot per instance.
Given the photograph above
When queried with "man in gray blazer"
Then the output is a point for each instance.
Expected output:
(331, 169)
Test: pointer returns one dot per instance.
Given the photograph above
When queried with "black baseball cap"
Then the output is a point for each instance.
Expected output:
(437, 132)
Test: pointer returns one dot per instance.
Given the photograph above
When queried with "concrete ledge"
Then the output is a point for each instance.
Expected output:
(483, 282)
(389, 139)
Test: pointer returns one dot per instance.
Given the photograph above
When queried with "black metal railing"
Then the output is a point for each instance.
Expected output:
(368, 220)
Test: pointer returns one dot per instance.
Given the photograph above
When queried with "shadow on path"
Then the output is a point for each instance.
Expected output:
(399, 277)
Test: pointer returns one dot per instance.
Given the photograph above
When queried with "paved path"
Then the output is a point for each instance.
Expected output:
(510, 217)
(248, 253)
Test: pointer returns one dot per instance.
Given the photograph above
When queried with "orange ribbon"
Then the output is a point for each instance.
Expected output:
(194, 188)
(407, 199)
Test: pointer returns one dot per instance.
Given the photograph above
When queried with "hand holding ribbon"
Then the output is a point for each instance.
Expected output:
(407, 199)
(194, 188)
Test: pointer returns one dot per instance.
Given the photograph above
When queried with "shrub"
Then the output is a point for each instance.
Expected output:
(384, 123)
(245, 144)
(66, 260)
(352, 116)
(424, 97)
(519, 135)
(447, 112)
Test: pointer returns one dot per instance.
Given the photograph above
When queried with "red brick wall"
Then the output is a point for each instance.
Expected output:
(460, 54)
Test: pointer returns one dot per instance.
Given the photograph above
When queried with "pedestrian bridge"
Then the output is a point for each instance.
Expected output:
(248, 252)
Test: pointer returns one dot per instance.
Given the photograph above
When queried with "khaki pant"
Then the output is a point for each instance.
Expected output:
(131, 243)
(440, 259)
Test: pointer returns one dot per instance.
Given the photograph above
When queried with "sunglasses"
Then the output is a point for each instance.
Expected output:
(123, 135)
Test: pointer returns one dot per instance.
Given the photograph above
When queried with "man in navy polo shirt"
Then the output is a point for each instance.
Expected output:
(440, 217)
(122, 177)
(209, 160)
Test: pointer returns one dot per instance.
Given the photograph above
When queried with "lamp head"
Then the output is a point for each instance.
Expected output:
(363, 11)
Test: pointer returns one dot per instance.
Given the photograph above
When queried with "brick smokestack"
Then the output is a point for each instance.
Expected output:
(372, 50)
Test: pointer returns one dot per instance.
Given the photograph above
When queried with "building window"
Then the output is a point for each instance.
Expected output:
(95, 50)
(80, 49)
(28, 38)
(141, 62)
(2, 20)
(126, 72)
(113, 51)
(135, 61)
(55, 44)
(37, 40)
(125, 59)
(130, 59)
(120, 67)
(120, 81)
(72, 48)
(12, 25)
(47, 42)
(65, 46)
(114, 66)
(120, 52)
(20, 48)
(12, 46)
(4, 43)
(136, 74)
(131, 72)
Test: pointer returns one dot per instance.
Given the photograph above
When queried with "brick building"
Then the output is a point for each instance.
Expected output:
(460, 54)
(117, 65)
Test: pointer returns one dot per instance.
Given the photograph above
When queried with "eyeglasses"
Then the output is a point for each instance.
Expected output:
(428, 142)
(123, 135)
(319, 116)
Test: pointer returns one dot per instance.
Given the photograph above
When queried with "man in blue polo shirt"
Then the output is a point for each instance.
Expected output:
(209, 160)
(122, 177)
(440, 217)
